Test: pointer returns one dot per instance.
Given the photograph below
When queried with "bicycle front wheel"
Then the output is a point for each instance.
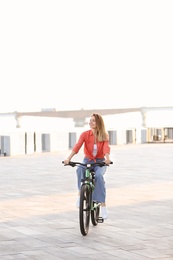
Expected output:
(84, 210)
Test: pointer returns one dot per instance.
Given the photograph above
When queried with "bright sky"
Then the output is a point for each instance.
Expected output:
(85, 54)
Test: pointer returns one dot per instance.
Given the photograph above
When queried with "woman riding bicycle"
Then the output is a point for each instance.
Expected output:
(96, 148)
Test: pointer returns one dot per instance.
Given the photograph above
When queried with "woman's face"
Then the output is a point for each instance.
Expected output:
(92, 122)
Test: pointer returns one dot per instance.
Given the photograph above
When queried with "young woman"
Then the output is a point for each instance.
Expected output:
(96, 148)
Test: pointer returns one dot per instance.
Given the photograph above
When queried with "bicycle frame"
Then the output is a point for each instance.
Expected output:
(89, 180)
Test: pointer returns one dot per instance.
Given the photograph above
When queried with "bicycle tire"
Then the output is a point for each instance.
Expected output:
(95, 214)
(84, 210)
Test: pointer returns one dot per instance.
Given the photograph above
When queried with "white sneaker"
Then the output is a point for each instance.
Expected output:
(104, 213)
(78, 202)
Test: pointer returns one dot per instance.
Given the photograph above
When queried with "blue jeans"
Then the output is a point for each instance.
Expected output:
(99, 193)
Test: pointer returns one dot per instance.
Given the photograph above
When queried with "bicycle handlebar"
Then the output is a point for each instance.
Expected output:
(73, 164)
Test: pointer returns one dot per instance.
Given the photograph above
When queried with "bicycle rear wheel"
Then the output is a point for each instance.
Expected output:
(95, 214)
(84, 210)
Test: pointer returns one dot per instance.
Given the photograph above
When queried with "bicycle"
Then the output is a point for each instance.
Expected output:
(87, 206)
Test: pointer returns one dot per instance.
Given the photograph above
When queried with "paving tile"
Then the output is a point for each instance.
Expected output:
(39, 219)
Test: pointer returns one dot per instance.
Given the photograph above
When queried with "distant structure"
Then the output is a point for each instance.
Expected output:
(79, 116)
(28, 142)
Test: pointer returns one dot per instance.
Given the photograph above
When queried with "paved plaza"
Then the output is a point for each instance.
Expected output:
(39, 219)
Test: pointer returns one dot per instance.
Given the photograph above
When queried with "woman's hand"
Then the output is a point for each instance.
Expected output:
(66, 161)
(107, 161)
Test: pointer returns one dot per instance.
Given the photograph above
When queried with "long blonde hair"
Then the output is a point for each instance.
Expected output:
(101, 133)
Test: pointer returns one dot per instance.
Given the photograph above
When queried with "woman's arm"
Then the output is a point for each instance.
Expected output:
(69, 157)
(107, 158)
(76, 148)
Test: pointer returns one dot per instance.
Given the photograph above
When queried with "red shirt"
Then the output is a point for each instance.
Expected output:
(87, 138)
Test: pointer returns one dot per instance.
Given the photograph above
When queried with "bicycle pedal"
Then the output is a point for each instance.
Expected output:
(100, 220)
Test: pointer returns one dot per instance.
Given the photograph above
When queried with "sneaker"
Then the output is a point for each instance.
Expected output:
(78, 202)
(104, 213)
